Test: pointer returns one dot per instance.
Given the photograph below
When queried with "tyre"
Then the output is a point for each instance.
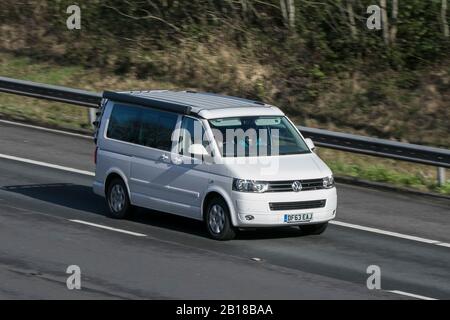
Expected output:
(118, 200)
(217, 219)
(313, 229)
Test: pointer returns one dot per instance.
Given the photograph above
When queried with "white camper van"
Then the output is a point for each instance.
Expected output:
(230, 162)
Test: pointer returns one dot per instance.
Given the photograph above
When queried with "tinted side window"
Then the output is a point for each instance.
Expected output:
(157, 128)
(124, 123)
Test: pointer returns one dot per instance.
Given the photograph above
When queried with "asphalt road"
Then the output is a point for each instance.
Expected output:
(176, 259)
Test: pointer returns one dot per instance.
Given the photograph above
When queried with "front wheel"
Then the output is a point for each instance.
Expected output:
(313, 229)
(218, 222)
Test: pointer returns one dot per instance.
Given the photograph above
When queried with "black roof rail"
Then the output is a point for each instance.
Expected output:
(147, 102)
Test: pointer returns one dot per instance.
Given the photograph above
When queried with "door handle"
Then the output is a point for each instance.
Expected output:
(164, 157)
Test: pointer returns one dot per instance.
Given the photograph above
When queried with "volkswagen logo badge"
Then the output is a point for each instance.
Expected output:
(297, 186)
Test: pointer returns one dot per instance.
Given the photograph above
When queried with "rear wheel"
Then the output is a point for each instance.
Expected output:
(118, 200)
(313, 229)
(217, 219)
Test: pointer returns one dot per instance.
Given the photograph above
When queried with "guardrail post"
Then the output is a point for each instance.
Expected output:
(441, 176)
(92, 116)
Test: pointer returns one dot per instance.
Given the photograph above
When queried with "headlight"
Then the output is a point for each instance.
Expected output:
(249, 185)
(328, 182)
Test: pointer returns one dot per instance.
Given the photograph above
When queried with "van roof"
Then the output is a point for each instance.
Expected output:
(204, 104)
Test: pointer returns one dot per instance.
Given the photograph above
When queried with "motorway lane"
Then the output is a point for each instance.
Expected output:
(38, 242)
(177, 260)
(41, 145)
(404, 213)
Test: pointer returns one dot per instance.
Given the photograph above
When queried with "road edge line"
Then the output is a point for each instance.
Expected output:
(47, 165)
(389, 233)
(31, 126)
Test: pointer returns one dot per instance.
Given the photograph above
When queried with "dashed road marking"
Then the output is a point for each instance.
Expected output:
(108, 228)
(412, 295)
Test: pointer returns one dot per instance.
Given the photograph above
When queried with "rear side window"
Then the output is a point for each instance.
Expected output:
(144, 126)
(157, 128)
(124, 123)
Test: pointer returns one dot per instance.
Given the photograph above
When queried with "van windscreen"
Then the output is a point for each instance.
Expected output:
(257, 136)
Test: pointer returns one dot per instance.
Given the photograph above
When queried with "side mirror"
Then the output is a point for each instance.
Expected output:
(197, 149)
(310, 144)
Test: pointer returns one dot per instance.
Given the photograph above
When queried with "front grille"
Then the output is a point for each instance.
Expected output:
(298, 205)
(286, 186)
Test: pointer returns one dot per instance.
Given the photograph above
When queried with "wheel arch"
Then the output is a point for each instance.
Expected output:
(218, 192)
(115, 173)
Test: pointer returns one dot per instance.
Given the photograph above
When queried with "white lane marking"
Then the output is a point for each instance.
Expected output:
(108, 228)
(443, 244)
(339, 223)
(390, 233)
(19, 124)
(48, 165)
(412, 295)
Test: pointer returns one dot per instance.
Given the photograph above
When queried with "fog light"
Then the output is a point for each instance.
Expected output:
(249, 217)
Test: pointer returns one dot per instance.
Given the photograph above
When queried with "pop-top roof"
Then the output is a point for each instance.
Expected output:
(181, 101)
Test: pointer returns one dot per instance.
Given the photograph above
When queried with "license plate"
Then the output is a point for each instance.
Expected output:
(300, 217)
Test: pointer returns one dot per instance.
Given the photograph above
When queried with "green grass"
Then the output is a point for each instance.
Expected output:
(76, 118)
(380, 173)
(40, 111)
(24, 68)
(58, 114)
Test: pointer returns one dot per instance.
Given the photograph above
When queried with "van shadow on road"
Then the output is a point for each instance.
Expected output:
(81, 197)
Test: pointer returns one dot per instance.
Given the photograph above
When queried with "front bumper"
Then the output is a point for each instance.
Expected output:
(257, 205)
